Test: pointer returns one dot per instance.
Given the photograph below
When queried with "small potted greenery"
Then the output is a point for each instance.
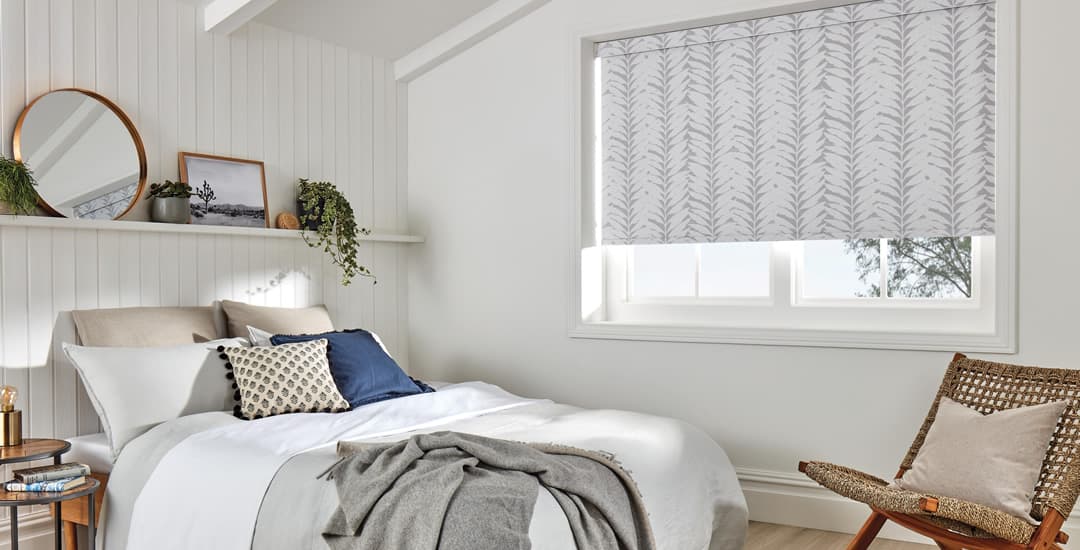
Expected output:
(17, 187)
(327, 222)
(170, 202)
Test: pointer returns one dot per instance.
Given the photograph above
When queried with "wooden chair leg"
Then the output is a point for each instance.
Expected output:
(868, 533)
(71, 537)
(944, 546)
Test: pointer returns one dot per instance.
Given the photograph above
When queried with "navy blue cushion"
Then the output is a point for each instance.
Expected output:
(363, 372)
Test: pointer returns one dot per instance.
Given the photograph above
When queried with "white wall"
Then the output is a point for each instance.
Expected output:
(489, 165)
(305, 107)
(385, 28)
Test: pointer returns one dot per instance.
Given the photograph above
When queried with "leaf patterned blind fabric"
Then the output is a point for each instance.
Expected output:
(871, 120)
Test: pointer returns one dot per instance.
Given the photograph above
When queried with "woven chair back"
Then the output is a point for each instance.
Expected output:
(988, 387)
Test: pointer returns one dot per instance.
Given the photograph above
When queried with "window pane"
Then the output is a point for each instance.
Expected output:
(841, 269)
(663, 270)
(930, 268)
(734, 270)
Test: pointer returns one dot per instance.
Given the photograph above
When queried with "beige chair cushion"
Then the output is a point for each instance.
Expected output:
(993, 460)
(143, 327)
(276, 320)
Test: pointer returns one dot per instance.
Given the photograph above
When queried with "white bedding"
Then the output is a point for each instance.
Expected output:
(686, 481)
(92, 450)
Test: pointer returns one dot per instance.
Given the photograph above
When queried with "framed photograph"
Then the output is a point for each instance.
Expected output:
(227, 191)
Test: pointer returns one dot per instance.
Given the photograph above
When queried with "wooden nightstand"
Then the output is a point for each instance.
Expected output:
(78, 513)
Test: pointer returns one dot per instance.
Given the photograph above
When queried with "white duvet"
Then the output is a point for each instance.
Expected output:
(154, 499)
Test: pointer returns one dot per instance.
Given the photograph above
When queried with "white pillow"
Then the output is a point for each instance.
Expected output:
(260, 337)
(135, 389)
(992, 459)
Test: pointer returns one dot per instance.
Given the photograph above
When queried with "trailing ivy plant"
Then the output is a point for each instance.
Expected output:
(326, 213)
(17, 186)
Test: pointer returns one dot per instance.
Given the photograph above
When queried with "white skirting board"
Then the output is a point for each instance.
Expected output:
(790, 498)
(35, 532)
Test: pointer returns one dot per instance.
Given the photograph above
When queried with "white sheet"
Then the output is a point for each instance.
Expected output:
(686, 480)
(92, 450)
(238, 462)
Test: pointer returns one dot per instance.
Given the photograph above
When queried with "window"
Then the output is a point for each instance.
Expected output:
(887, 269)
(806, 292)
(922, 269)
(716, 270)
(770, 179)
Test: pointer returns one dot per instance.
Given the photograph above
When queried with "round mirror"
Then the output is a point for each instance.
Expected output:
(86, 155)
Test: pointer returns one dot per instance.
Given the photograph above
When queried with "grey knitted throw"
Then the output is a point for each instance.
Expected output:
(455, 491)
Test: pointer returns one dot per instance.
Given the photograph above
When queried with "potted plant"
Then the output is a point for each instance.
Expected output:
(17, 187)
(327, 222)
(171, 202)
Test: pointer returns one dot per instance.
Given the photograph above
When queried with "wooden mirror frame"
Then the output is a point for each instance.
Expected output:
(16, 145)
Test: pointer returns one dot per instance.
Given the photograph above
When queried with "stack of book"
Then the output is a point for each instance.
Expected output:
(48, 479)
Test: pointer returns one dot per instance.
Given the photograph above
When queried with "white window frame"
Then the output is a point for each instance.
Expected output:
(989, 318)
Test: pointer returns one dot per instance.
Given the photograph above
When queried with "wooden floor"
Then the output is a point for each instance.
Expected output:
(766, 536)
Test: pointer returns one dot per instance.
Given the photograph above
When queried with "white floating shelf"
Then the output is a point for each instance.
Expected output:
(152, 227)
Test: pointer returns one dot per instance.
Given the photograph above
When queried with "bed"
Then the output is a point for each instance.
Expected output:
(210, 480)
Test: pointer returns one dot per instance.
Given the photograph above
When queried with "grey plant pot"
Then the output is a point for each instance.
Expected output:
(312, 225)
(171, 210)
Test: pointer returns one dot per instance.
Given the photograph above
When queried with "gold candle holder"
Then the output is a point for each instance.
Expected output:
(10, 418)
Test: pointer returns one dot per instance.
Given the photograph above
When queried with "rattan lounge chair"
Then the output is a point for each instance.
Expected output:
(958, 525)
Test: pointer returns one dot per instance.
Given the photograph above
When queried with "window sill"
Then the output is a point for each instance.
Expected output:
(953, 342)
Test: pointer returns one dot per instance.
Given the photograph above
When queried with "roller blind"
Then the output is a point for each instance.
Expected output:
(871, 120)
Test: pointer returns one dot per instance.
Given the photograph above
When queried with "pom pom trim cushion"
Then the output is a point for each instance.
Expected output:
(284, 379)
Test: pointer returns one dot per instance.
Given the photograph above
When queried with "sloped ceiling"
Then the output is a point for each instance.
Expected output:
(384, 28)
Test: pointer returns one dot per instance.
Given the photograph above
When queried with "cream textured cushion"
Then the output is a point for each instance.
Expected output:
(284, 379)
(135, 389)
(993, 459)
(137, 327)
(276, 320)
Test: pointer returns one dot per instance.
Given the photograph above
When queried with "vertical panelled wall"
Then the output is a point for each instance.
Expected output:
(305, 107)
